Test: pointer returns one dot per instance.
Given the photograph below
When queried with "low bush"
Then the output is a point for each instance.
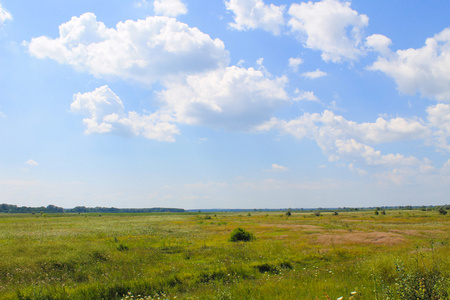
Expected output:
(240, 234)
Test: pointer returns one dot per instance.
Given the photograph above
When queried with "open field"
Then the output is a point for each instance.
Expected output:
(355, 255)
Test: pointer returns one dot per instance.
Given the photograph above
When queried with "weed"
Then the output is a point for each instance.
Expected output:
(120, 246)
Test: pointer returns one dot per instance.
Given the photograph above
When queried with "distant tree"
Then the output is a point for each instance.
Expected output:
(442, 210)
(376, 212)
(288, 213)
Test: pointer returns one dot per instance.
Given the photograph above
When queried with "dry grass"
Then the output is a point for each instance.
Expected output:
(340, 237)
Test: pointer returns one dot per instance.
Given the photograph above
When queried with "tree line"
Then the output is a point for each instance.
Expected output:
(11, 208)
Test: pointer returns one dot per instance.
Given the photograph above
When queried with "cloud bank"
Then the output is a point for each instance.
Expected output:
(145, 51)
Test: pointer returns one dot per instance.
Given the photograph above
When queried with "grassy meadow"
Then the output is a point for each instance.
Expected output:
(354, 255)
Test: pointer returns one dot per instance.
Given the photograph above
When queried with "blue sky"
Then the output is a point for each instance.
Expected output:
(224, 104)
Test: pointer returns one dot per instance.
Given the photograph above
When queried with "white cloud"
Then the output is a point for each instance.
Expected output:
(439, 118)
(102, 106)
(106, 114)
(232, 98)
(379, 43)
(4, 16)
(425, 70)
(305, 96)
(145, 50)
(253, 14)
(330, 26)
(314, 74)
(341, 139)
(278, 168)
(380, 131)
(169, 8)
(337, 127)
(395, 129)
(31, 162)
(353, 150)
(294, 63)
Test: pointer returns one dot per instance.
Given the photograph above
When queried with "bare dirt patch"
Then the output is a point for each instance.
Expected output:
(376, 238)
(408, 232)
(305, 229)
(293, 226)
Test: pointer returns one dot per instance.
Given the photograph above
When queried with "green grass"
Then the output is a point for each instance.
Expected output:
(187, 256)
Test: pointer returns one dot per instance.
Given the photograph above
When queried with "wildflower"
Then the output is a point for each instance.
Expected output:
(340, 298)
(353, 293)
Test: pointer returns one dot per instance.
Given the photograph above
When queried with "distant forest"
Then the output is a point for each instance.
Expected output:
(9, 208)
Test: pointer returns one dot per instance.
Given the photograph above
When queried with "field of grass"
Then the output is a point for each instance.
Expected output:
(353, 255)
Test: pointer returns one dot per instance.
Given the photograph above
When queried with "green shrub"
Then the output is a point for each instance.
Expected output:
(240, 234)
(267, 268)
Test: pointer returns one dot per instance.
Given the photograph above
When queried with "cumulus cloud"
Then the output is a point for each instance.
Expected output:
(341, 139)
(425, 70)
(145, 50)
(314, 74)
(379, 43)
(4, 16)
(330, 26)
(294, 63)
(305, 96)
(253, 14)
(169, 8)
(381, 131)
(232, 98)
(353, 150)
(106, 114)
